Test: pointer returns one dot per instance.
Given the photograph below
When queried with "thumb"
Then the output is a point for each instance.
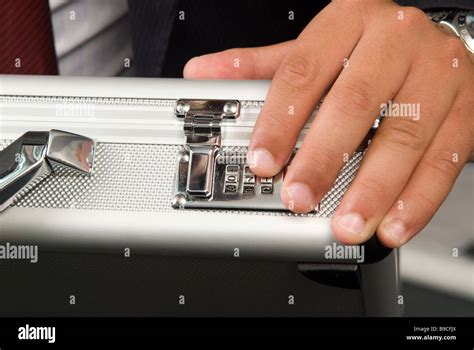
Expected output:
(243, 63)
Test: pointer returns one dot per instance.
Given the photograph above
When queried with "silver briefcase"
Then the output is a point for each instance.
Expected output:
(158, 166)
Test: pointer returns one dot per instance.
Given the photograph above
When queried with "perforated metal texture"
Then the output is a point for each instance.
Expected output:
(140, 177)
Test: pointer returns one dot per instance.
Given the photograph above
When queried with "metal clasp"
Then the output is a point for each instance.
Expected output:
(202, 129)
(36, 154)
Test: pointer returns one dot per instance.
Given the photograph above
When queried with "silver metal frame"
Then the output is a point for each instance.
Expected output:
(257, 234)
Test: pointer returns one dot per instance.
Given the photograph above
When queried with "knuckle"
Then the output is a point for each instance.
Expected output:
(402, 134)
(413, 17)
(424, 201)
(325, 156)
(443, 163)
(271, 120)
(278, 120)
(373, 186)
(322, 160)
(298, 72)
(353, 4)
(274, 132)
(351, 99)
(353, 8)
(454, 48)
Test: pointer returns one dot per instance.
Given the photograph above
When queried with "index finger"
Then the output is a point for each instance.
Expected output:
(298, 85)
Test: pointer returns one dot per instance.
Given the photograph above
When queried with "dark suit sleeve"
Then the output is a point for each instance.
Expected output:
(158, 43)
(151, 23)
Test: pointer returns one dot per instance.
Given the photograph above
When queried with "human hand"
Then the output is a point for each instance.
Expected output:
(367, 53)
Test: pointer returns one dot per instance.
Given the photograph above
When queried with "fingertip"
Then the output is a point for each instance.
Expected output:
(191, 68)
(392, 233)
(262, 163)
(387, 240)
(351, 228)
(298, 198)
(217, 65)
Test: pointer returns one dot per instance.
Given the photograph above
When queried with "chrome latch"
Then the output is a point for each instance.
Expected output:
(35, 155)
(202, 118)
(207, 176)
(202, 129)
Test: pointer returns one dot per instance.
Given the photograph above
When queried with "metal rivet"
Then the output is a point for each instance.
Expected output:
(179, 201)
(182, 107)
(230, 108)
(183, 157)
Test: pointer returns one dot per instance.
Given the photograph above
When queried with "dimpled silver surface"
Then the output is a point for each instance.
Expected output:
(140, 177)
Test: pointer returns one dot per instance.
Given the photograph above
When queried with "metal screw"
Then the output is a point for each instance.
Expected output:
(183, 157)
(179, 201)
(182, 107)
(230, 107)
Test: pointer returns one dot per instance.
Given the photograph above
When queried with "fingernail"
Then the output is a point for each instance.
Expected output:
(301, 198)
(262, 160)
(353, 223)
(396, 228)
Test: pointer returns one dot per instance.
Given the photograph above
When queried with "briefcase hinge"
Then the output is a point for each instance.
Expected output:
(202, 118)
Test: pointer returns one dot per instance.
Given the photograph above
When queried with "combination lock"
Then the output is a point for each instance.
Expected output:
(232, 186)
(207, 176)
(248, 185)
